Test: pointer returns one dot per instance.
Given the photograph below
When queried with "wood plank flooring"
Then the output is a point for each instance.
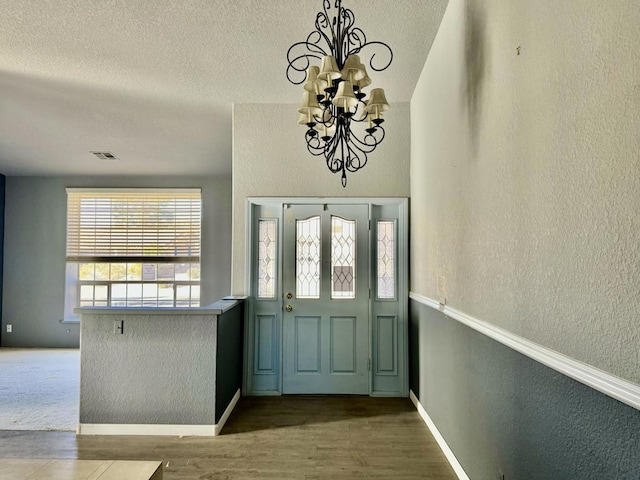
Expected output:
(298, 437)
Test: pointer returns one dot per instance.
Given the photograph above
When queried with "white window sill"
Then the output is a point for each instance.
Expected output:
(70, 319)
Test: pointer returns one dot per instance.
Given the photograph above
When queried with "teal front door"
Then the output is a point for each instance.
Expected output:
(326, 299)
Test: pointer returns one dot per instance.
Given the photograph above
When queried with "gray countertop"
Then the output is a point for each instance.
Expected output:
(217, 308)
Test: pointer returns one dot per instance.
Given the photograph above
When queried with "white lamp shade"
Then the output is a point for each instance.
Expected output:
(329, 70)
(345, 97)
(353, 69)
(312, 73)
(313, 83)
(309, 104)
(365, 81)
(377, 101)
(303, 119)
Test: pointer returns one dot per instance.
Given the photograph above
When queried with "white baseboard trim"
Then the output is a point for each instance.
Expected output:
(146, 429)
(615, 387)
(225, 416)
(453, 461)
(158, 429)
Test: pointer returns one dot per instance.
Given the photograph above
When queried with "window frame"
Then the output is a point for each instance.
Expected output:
(73, 281)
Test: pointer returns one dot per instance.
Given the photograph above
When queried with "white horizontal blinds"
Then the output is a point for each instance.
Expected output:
(134, 223)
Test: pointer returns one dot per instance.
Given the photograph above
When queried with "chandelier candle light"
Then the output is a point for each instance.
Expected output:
(334, 99)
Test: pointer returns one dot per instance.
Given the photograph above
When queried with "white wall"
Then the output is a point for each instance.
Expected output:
(525, 173)
(270, 159)
(34, 250)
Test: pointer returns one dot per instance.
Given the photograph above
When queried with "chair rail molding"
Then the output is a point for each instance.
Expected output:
(615, 387)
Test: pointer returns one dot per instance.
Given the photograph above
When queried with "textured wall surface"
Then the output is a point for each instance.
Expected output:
(161, 370)
(525, 173)
(270, 159)
(35, 249)
(3, 183)
(498, 409)
(157, 90)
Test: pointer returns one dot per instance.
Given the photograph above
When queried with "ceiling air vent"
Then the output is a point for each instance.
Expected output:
(105, 155)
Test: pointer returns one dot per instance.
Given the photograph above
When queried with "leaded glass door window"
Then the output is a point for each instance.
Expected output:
(343, 258)
(308, 268)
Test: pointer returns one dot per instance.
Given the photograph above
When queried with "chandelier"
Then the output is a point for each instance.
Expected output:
(342, 124)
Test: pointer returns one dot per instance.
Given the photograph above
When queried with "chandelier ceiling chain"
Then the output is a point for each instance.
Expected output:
(334, 100)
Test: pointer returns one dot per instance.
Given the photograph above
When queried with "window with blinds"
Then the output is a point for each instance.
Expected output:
(134, 247)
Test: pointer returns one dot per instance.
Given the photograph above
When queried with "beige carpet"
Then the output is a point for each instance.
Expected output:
(39, 389)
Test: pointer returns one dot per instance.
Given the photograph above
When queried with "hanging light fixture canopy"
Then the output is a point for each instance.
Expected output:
(334, 101)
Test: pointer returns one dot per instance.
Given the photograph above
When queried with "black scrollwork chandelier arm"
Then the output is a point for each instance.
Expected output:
(330, 132)
(333, 35)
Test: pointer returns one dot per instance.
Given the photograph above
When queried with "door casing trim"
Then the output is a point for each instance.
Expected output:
(250, 204)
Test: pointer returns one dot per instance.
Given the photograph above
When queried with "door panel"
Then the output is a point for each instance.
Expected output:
(326, 288)
(307, 344)
(343, 344)
(264, 345)
(386, 359)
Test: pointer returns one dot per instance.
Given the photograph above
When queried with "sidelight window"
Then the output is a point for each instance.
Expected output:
(386, 259)
(267, 257)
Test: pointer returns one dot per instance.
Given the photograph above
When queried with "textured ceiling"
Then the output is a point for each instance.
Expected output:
(153, 81)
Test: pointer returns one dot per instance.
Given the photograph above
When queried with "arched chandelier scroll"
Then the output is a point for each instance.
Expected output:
(343, 125)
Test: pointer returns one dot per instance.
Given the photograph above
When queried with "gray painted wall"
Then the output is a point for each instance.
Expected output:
(35, 241)
(229, 357)
(171, 369)
(160, 370)
(2, 201)
(498, 409)
(274, 162)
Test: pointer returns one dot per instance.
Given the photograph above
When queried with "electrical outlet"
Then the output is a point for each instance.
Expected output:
(118, 326)
(9, 328)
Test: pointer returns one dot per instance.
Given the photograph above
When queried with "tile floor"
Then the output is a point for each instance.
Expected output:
(47, 469)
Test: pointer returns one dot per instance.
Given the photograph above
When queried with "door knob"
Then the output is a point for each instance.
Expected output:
(289, 295)
(288, 308)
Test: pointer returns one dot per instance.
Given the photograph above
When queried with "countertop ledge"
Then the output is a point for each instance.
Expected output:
(217, 308)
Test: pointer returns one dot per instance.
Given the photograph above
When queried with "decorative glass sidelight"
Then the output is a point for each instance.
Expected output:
(308, 258)
(343, 258)
(267, 243)
(386, 259)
